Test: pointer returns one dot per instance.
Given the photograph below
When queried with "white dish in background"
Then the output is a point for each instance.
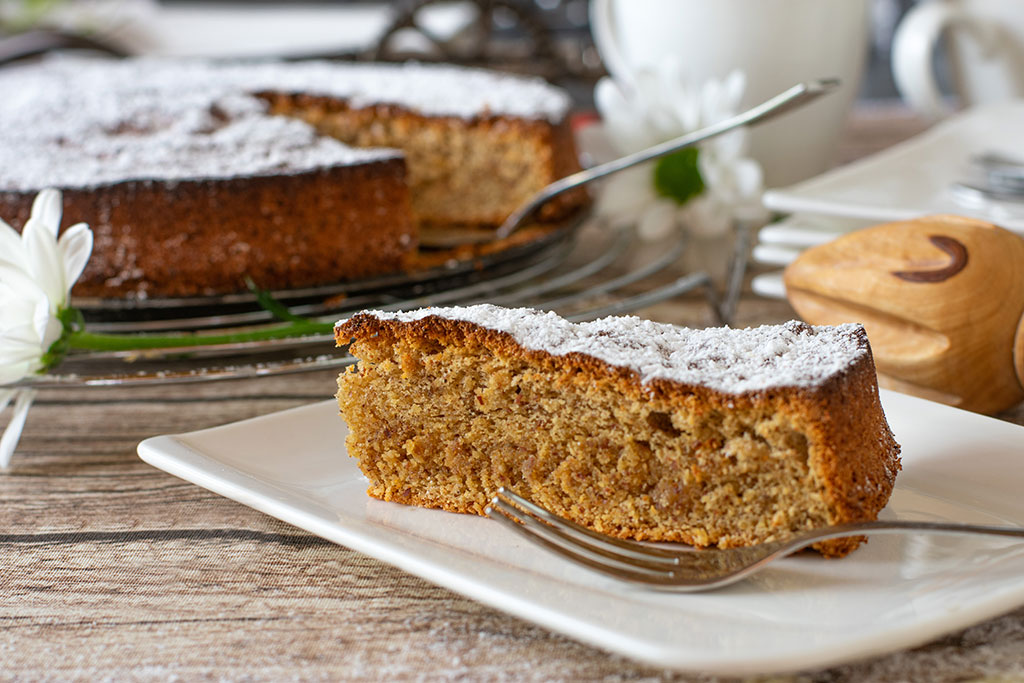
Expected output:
(769, 285)
(913, 178)
(805, 612)
(801, 231)
(780, 243)
(774, 255)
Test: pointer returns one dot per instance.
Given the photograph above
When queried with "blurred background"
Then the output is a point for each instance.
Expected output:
(551, 38)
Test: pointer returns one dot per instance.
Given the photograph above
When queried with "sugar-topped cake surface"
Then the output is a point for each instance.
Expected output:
(735, 361)
(76, 122)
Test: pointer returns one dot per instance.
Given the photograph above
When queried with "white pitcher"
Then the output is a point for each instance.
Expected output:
(986, 51)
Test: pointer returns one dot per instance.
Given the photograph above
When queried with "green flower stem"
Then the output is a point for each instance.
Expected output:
(80, 339)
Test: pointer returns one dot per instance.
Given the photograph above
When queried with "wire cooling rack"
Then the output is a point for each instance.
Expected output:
(583, 272)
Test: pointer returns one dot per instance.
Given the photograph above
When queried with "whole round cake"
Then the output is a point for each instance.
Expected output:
(196, 175)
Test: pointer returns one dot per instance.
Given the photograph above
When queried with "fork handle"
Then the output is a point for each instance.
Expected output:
(899, 525)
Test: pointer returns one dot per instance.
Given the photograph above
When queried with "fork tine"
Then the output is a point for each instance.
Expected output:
(679, 571)
(576, 544)
(619, 546)
(560, 544)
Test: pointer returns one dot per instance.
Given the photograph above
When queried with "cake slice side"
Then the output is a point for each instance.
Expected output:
(442, 412)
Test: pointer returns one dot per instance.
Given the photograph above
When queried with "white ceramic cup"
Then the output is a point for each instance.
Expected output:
(986, 50)
(777, 43)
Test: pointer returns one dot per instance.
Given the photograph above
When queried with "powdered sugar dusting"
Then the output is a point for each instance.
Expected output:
(730, 360)
(74, 122)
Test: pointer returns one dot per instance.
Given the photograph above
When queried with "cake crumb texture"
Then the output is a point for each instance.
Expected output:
(447, 405)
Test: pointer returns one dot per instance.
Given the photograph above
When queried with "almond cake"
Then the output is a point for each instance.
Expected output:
(723, 437)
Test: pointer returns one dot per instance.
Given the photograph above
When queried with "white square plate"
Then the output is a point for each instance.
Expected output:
(913, 178)
(805, 612)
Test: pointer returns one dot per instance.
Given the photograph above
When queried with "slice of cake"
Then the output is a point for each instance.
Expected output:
(636, 429)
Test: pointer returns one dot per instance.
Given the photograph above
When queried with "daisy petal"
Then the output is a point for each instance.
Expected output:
(75, 247)
(47, 209)
(44, 260)
(707, 218)
(27, 328)
(12, 251)
(9, 374)
(658, 222)
(749, 178)
(12, 434)
(19, 361)
(735, 86)
(16, 280)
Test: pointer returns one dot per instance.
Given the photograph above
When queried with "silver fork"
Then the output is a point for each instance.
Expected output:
(687, 571)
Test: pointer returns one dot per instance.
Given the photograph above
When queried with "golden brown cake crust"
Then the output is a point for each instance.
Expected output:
(837, 428)
(202, 237)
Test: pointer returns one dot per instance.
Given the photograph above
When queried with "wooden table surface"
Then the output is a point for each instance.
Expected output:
(111, 569)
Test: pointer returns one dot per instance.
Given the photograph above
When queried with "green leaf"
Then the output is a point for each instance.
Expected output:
(74, 336)
(268, 303)
(137, 342)
(677, 176)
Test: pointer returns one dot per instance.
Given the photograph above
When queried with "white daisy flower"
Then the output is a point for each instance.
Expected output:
(37, 271)
(702, 190)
